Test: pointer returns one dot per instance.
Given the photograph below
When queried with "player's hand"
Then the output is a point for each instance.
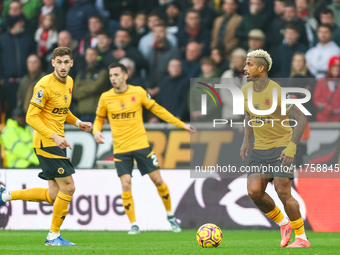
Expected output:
(189, 128)
(244, 149)
(287, 161)
(86, 126)
(98, 137)
(61, 142)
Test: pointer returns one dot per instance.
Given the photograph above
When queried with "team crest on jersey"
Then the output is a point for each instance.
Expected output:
(40, 94)
(61, 170)
(256, 106)
(133, 99)
(267, 101)
(65, 98)
(122, 105)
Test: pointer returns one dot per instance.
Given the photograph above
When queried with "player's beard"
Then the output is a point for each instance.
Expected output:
(62, 75)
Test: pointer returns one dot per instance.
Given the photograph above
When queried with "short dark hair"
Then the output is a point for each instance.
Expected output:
(62, 51)
(153, 13)
(194, 11)
(290, 4)
(96, 17)
(325, 25)
(116, 64)
(104, 32)
(292, 26)
(327, 11)
(126, 13)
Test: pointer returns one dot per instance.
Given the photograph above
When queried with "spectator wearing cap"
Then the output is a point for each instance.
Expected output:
(223, 32)
(327, 17)
(283, 54)
(326, 96)
(256, 40)
(18, 142)
(257, 18)
(318, 57)
(193, 32)
(15, 46)
(28, 82)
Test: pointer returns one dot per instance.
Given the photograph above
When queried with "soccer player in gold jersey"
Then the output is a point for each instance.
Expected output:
(47, 113)
(123, 105)
(274, 146)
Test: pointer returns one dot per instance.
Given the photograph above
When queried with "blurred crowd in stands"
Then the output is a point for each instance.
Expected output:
(164, 43)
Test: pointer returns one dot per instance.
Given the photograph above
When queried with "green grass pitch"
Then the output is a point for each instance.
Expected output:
(162, 242)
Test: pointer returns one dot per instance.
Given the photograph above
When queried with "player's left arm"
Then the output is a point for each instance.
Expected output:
(163, 114)
(70, 118)
(298, 130)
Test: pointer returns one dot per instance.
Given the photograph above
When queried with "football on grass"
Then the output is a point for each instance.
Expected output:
(209, 235)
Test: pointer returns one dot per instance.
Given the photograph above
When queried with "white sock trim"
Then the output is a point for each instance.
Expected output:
(134, 224)
(6, 196)
(169, 213)
(52, 235)
(303, 236)
(283, 222)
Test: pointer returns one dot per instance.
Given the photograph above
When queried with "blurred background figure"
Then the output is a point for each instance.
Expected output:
(95, 25)
(300, 77)
(173, 94)
(235, 76)
(223, 32)
(89, 84)
(318, 57)
(17, 140)
(15, 46)
(256, 40)
(134, 78)
(326, 95)
(28, 81)
(217, 55)
(49, 6)
(46, 36)
(191, 65)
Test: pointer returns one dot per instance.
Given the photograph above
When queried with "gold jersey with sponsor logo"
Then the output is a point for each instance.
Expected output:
(49, 109)
(125, 113)
(268, 129)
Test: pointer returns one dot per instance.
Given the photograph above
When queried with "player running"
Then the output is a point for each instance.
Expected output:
(123, 105)
(47, 113)
(275, 145)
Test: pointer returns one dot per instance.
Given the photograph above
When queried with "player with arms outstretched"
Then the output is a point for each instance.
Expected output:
(275, 145)
(123, 105)
(47, 113)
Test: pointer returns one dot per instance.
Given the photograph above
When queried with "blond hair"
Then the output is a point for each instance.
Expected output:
(304, 69)
(261, 54)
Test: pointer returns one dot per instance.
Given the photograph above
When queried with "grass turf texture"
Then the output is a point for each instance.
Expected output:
(162, 242)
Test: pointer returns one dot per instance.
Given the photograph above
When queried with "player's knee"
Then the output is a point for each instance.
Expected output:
(126, 186)
(255, 194)
(69, 189)
(158, 181)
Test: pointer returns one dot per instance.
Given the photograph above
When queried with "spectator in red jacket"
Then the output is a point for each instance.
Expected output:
(326, 95)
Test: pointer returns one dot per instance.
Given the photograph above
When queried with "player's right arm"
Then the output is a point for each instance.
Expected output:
(248, 133)
(40, 96)
(99, 121)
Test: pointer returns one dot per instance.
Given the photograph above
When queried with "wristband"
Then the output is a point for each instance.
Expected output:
(78, 122)
(290, 150)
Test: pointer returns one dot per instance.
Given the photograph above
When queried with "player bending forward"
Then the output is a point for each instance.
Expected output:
(47, 113)
(123, 105)
(275, 145)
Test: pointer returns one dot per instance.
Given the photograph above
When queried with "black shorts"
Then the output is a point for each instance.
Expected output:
(269, 162)
(147, 161)
(54, 163)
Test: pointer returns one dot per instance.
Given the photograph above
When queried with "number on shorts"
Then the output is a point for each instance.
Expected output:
(154, 160)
